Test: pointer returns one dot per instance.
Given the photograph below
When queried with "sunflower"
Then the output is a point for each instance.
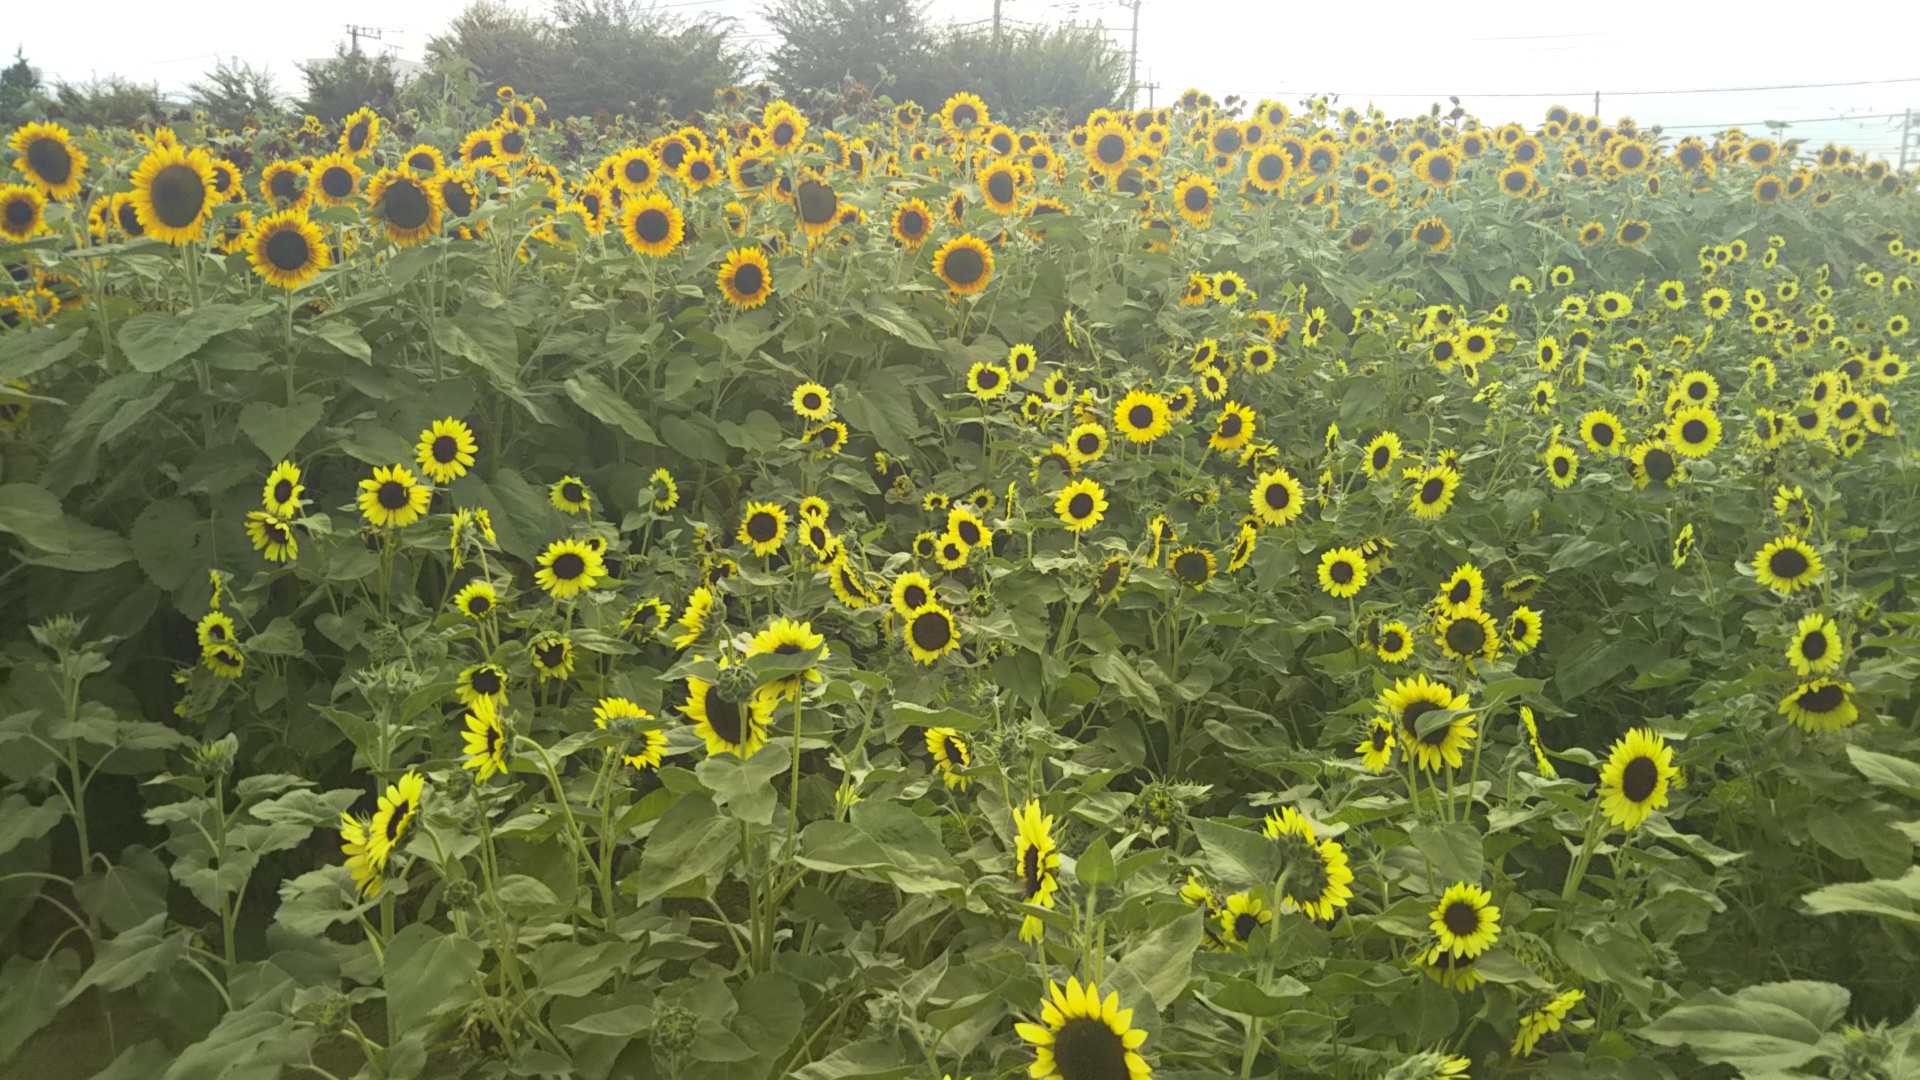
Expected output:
(1142, 416)
(569, 568)
(1633, 782)
(360, 131)
(392, 498)
(966, 524)
(1234, 429)
(950, 754)
(763, 527)
(1113, 574)
(1317, 874)
(693, 620)
(965, 264)
(399, 807)
(811, 401)
(173, 194)
(1086, 443)
(789, 637)
(49, 160)
(272, 536)
(728, 726)
(1192, 566)
(1466, 920)
(1652, 461)
(1269, 169)
(930, 632)
(281, 496)
(1037, 862)
(485, 741)
(1544, 1020)
(1243, 914)
(951, 552)
(1787, 564)
(486, 681)
(1343, 572)
(652, 224)
(1408, 700)
(223, 660)
(215, 628)
(1433, 233)
(335, 179)
(1694, 430)
(1465, 591)
(1433, 488)
(356, 843)
(407, 207)
(1381, 453)
(1468, 636)
(1563, 465)
(744, 278)
(1082, 1038)
(1395, 643)
(1523, 629)
(476, 599)
(1276, 498)
(1600, 430)
(287, 250)
(912, 224)
(1820, 705)
(1195, 197)
(1376, 748)
(445, 450)
(987, 381)
(1081, 504)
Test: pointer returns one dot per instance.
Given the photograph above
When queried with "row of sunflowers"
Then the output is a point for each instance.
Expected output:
(1210, 590)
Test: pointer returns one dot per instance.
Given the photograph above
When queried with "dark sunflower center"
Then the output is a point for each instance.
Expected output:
(818, 203)
(1603, 434)
(1110, 576)
(1230, 426)
(953, 751)
(964, 266)
(337, 183)
(914, 596)
(652, 226)
(1271, 168)
(407, 206)
(1461, 918)
(1461, 592)
(485, 681)
(1341, 572)
(913, 223)
(1633, 232)
(1638, 780)
(20, 213)
(1279, 496)
(1244, 925)
(478, 604)
(1140, 416)
(1111, 148)
(1814, 645)
(445, 449)
(1432, 491)
(1190, 567)
(50, 160)
(1516, 181)
(1466, 636)
(287, 250)
(573, 493)
(1000, 187)
(1410, 721)
(513, 142)
(1431, 233)
(762, 527)
(397, 820)
(179, 196)
(725, 718)
(1660, 464)
(1787, 563)
(1080, 506)
(968, 531)
(748, 278)
(1085, 1048)
(1694, 431)
(931, 631)
(1196, 199)
(275, 532)
(569, 565)
(1392, 641)
(393, 495)
(989, 379)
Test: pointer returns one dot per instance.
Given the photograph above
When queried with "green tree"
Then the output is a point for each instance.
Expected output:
(594, 56)
(1073, 68)
(348, 80)
(19, 85)
(111, 101)
(235, 94)
(883, 44)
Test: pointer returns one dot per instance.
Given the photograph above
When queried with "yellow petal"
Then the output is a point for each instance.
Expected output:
(1034, 1033)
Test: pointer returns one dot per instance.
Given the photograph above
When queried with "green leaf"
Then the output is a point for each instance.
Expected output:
(1163, 960)
(625, 1022)
(1760, 1030)
(427, 974)
(21, 821)
(912, 845)
(1454, 850)
(30, 994)
(34, 515)
(127, 894)
(603, 404)
(23, 353)
(1095, 865)
(1888, 771)
(745, 788)
(1895, 899)
(874, 1059)
(156, 340)
(691, 840)
(317, 901)
(1238, 857)
(1244, 997)
(131, 957)
(276, 430)
(344, 336)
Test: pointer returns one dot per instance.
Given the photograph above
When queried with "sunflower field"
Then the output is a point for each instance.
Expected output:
(1220, 590)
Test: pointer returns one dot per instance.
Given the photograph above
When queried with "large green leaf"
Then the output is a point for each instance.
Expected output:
(34, 515)
(156, 340)
(690, 841)
(1897, 899)
(428, 973)
(1761, 1030)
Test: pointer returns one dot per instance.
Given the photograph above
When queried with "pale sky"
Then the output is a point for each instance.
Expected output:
(1401, 56)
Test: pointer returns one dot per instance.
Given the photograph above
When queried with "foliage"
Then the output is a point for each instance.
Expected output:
(19, 84)
(611, 57)
(1074, 68)
(108, 101)
(235, 94)
(348, 80)
(792, 649)
(824, 42)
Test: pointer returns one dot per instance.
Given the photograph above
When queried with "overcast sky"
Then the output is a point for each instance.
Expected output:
(1400, 56)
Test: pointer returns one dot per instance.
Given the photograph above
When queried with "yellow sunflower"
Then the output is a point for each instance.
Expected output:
(173, 194)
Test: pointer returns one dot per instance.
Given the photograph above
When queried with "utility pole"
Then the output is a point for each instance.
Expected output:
(996, 22)
(373, 33)
(1133, 59)
(1596, 103)
(1906, 138)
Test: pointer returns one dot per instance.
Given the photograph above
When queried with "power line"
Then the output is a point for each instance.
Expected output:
(1607, 93)
(1760, 123)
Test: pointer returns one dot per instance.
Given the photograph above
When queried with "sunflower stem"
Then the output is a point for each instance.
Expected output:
(1579, 868)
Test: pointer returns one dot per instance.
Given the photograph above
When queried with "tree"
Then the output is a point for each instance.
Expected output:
(235, 94)
(883, 44)
(111, 101)
(349, 80)
(596, 56)
(19, 85)
(1073, 68)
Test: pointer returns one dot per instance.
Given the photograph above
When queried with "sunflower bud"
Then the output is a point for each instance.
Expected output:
(332, 1013)
(674, 1029)
(462, 894)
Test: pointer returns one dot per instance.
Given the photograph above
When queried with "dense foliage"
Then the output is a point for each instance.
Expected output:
(792, 595)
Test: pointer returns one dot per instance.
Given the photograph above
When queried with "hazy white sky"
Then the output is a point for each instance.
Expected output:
(1401, 56)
